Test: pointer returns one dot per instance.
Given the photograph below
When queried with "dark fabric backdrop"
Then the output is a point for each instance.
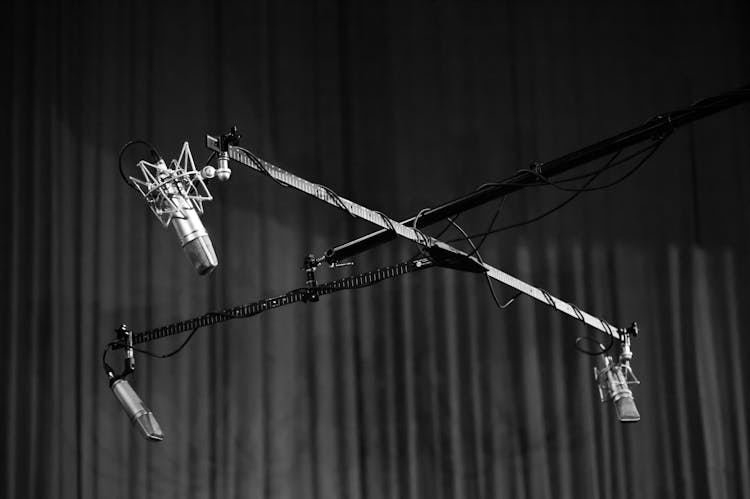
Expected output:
(418, 387)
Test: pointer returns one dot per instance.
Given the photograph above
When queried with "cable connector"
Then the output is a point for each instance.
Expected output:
(125, 337)
(309, 266)
(336, 265)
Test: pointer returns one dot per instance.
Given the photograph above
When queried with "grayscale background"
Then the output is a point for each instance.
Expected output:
(420, 386)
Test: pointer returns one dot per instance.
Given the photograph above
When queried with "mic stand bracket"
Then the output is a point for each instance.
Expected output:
(124, 340)
(448, 258)
(309, 266)
(229, 139)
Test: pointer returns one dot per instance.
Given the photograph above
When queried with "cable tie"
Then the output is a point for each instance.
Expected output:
(337, 199)
(548, 298)
(386, 220)
(578, 312)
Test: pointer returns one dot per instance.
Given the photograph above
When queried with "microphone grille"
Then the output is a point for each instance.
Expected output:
(201, 253)
(626, 410)
(149, 426)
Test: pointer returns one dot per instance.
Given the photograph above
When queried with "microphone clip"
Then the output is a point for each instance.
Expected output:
(613, 379)
(174, 191)
(124, 340)
(225, 141)
(309, 265)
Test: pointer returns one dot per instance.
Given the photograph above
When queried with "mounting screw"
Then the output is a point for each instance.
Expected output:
(122, 332)
(633, 329)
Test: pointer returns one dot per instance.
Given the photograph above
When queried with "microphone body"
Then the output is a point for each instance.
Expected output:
(622, 396)
(139, 414)
(614, 385)
(223, 172)
(193, 236)
(176, 194)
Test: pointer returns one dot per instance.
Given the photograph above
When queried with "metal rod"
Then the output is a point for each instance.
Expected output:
(657, 127)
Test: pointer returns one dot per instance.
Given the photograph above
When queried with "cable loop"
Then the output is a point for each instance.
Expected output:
(422, 236)
(386, 220)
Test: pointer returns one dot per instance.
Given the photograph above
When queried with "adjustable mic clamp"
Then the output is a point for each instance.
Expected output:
(625, 352)
(309, 266)
(228, 139)
(125, 340)
(631, 330)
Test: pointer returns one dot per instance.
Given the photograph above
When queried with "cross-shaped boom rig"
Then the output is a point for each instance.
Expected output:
(613, 377)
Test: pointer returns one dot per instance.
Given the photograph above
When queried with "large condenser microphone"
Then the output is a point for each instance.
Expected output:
(175, 194)
(192, 234)
(613, 385)
(140, 415)
(614, 379)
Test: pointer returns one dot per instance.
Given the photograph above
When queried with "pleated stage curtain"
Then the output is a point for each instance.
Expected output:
(419, 386)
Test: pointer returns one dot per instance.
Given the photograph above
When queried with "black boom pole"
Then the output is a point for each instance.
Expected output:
(654, 129)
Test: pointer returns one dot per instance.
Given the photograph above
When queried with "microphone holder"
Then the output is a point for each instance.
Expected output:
(309, 266)
(124, 340)
(228, 139)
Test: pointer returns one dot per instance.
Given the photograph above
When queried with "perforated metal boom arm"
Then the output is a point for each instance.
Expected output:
(446, 251)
